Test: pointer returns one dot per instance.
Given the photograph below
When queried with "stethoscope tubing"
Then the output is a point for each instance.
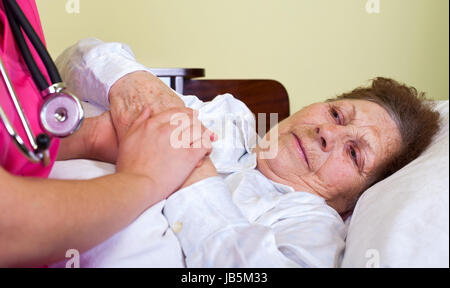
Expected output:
(18, 20)
(19, 109)
(35, 157)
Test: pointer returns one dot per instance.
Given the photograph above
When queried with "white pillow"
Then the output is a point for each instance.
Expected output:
(403, 221)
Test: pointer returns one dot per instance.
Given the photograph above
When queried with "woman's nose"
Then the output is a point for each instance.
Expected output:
(328, 135)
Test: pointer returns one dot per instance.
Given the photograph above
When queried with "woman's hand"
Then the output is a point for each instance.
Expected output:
(136, 91)
(148, 149)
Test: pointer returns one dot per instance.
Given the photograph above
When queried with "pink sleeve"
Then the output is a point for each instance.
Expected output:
(29, 96)
(3, 144)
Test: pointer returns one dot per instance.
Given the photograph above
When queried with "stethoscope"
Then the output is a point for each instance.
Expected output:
(61, 114)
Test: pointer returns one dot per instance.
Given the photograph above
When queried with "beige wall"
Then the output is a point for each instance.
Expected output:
(316, 48)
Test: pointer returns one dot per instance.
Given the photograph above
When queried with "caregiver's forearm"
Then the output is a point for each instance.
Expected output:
(41, 219)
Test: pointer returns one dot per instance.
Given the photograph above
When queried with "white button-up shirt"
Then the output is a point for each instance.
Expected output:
(238, 219)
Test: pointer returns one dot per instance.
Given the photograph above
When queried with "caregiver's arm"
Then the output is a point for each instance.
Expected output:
(41, 219)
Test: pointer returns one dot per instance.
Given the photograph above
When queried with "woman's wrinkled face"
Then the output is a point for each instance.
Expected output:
(333, 149)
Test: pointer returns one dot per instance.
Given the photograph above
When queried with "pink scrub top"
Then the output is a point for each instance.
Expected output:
(11, 159)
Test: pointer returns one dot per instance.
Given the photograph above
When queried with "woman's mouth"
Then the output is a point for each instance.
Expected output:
(301, 149)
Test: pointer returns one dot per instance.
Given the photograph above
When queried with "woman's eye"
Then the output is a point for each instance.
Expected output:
(354, 155)
(336, 116)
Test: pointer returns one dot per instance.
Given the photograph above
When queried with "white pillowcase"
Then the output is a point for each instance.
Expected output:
(403, 221)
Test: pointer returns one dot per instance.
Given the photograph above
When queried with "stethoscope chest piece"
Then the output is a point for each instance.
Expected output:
(61, 114)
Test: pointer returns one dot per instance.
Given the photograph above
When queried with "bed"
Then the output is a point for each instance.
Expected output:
(402, 221)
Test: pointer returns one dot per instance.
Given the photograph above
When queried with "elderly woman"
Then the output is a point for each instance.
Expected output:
(240, 207)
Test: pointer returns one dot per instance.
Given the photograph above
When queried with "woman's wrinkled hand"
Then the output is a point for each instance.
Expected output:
(136, 91)
(150, 148)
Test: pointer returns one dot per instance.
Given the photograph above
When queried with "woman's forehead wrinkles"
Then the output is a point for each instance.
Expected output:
(371, 113)
(370, 139)
(369, 136)
(352, 110)
(375, 128)
(380, 142)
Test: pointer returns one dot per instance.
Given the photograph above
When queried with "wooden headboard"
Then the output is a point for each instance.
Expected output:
(261, 96)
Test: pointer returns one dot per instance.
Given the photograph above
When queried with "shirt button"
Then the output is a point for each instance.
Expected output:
(177, 226)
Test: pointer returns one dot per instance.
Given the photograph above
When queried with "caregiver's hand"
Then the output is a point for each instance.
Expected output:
(148, 150)
(130, 94)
